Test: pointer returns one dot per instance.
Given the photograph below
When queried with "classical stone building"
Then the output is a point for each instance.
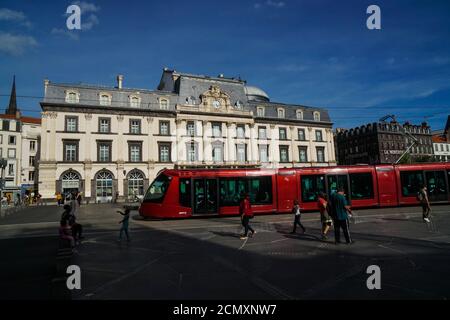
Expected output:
(441, 143)
(108, 141)
(382, 142)
(19, 145)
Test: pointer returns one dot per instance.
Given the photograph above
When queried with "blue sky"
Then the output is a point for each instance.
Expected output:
(315, 52)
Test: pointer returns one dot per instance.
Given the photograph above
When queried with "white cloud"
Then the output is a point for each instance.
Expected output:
(269, 3)
(14, 16)
(89, 22)
(87, 7)
(16, 45)
(65, 33)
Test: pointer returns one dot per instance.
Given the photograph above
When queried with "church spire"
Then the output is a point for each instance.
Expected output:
(12, 108)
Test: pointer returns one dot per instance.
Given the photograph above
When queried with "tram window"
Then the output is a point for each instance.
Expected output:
(185, 192)
(411, 182)
(260, 190)
(230, 191)
(361, 186)
(312, 186)
(158, 189)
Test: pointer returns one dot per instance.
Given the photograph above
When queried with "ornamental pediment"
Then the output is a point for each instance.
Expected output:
(215, 99)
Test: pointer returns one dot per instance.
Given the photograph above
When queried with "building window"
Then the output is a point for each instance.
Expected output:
(217, 130)
(164, 104)
(263, 153)
(280, 113)
(240, 131)
(241, 152)
(316, 116)
(164, 152)
(12, 140)
(299, 115)
(301, 135)
(217, 152)
(135, 102)
(239, 105)
(32, 145)
(1, 152)
(135, 126)
(72, 97)
(320, 154)
(105, 99)
(164, 128)
(260, 111)
(303, 154)
(12, 153)
(191, 152)
(135, 184)
(32, 161)
(319, 135)
(135, 151)
(262, 133)
(282, 134)
(1, 138)
(190, 128)
(190, 100)
(31, 176)
(284, 154)
(104, 125)
(104, 151)
(71, 124)
(5, 125)
(70, 151)
(11, 169)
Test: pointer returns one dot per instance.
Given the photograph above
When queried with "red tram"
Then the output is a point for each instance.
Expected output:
(186, 193)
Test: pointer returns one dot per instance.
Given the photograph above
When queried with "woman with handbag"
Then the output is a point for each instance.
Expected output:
(325, 218)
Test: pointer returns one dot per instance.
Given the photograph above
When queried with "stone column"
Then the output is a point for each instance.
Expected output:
(150, 144)
(293, 152)
(205, 141)
(44, 137)
(330, 146)
(52, 142)
(311, 146)
(273, 157)
(230, 137)
(88, 137)
(121, 148)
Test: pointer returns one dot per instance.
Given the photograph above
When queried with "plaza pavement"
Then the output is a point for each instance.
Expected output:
(205, 259)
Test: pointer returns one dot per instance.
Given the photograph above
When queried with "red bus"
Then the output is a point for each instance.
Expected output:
(186, 193)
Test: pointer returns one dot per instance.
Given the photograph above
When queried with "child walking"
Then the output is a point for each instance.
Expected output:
(296, 212)
(124, 222)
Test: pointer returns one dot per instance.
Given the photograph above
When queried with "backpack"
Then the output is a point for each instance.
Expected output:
(420, 196)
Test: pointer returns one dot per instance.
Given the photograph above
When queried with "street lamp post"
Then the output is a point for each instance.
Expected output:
(3, 164)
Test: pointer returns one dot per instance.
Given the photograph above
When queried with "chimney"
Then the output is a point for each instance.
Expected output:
(119, 81)
(46, 82)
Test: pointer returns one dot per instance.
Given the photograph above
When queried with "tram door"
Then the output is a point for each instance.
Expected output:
(436, 185)
(205, 196)
(336, 181)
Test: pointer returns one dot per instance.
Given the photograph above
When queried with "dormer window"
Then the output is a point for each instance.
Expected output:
(135, 101)
(164, 104)
(72, 97)
(105, 99)
(316, 116)
(299, 114)
(190, 100)
(260, 111)
(238, 105)
(280, 113)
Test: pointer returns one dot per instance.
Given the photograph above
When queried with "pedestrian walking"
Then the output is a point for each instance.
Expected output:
(79, 199)
(246, 212)
(124, 222)
(325, 217)
(297, 217)
(422, 196)
(59, 198)
(341, 213)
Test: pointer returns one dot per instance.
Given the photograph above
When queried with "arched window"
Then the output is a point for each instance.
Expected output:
(104, 186)
(280, 113)
(72, 97)
(164, 104)
(70, 181)
(105, 99)
(135, 184)
(135, 101)
(316, 116)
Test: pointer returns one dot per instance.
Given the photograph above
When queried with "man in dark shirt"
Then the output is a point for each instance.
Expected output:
(341, 212)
